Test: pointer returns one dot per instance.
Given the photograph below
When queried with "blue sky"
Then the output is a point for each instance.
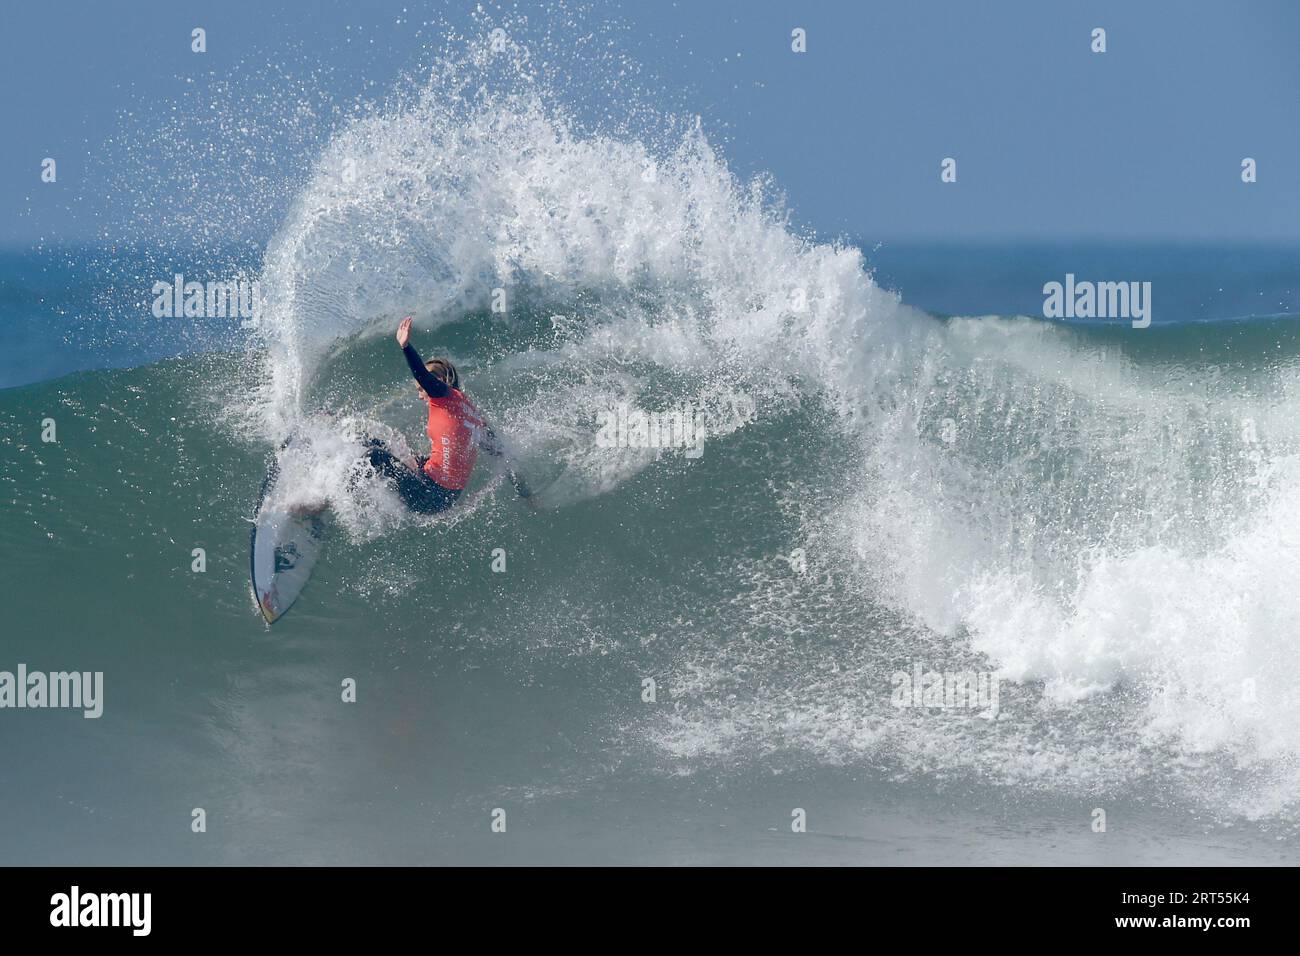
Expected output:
(1052, 140)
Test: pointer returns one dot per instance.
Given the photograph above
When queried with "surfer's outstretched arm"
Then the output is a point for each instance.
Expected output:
(433, 387)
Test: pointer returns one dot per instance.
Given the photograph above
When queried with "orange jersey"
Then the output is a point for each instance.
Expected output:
(453, 428)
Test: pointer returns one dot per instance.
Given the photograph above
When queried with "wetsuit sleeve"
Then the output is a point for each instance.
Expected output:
(517, 479)
(491, 445)
(432, 386)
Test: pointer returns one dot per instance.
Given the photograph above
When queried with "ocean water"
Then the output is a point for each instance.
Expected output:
(904, 467)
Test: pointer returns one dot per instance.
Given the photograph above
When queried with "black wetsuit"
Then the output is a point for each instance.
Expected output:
(420, 492)
(433, 386)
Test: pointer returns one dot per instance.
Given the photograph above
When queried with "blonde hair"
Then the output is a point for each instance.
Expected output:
(444, 372)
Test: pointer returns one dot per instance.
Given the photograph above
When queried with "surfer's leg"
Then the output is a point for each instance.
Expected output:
(387, 465)
(417, 490)
(442, 498)
(384, 461)
(425, 496)
(433, 496)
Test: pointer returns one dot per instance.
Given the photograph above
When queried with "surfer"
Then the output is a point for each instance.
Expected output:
(457, 432)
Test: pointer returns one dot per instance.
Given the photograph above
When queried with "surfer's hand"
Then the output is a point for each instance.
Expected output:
(404, 332)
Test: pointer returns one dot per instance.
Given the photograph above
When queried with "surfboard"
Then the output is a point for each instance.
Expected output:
(283, 547)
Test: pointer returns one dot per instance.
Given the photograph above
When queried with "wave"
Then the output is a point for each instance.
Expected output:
(1106, 522)
(1102, 522)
